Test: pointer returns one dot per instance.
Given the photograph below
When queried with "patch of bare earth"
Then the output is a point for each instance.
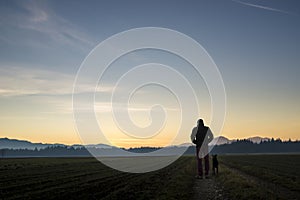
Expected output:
(208, 189)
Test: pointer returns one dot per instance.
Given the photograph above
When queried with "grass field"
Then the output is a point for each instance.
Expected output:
(240, 177)
(261, 176)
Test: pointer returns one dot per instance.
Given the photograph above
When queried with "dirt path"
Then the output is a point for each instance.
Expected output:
(208, 189)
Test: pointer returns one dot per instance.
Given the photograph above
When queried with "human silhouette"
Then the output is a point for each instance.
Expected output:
(201, 136)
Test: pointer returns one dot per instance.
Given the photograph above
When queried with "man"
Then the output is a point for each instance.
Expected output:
(201, 136)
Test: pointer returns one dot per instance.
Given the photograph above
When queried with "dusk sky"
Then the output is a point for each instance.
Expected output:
(255, 44)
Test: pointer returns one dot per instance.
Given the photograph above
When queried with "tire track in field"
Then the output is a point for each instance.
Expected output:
(280, 191)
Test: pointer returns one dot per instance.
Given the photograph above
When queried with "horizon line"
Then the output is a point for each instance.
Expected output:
(146, 146)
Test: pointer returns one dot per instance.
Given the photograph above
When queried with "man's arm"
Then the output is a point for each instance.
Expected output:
(209, 135)
(193, 135)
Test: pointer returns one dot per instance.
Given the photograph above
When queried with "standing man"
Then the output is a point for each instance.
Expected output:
(201, 136)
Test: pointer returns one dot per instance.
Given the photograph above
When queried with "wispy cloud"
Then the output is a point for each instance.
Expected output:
(264, 7)
(22, 81)
(108, 107)
(38, 17)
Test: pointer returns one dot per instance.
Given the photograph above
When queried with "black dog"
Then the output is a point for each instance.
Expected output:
(215, 165)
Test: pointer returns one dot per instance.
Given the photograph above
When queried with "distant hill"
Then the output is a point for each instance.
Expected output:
(220, 140)
(20, 148)
(6, 143)
(97, 146)
(187, 144)
(258, 139)
(224, 140)
(216, 141)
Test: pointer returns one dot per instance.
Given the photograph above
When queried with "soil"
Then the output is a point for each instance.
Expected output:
(208, 189)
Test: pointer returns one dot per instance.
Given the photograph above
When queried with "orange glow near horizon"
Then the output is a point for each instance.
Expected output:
(239, 124)
(65, 133)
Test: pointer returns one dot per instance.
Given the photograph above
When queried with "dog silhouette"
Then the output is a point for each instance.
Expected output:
(215, 164)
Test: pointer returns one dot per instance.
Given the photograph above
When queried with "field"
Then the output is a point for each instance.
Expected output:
(240, 177)
(261, 176)
(86, 178)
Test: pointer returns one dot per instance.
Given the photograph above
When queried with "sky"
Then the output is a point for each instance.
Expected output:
(255, 44)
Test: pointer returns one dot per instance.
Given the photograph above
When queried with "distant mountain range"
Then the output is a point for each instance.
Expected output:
(6, 143)
(224, 140)
(10, 148)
